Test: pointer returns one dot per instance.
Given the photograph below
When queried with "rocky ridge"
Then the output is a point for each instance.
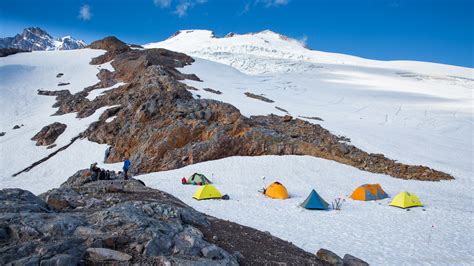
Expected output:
(160, 126)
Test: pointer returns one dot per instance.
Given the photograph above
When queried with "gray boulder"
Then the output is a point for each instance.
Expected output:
(329, 257)
(60, 260)
(159, 246)
(211, 252)
(350, 260)
(104, 254)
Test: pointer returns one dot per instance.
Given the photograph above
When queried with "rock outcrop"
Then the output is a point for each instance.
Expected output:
(9, 51)
(117, 221)
(160, 126)
(48, 134)
(258, 97)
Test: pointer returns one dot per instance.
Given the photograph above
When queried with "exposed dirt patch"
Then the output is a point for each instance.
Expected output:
(213, 91)
(281, 109)
(258, 97)
(312, 118)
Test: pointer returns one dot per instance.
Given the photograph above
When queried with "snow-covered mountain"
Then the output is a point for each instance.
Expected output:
(415, 112)
(37, 39)
(267, 51)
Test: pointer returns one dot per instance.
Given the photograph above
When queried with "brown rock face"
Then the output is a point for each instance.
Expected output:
(49, 134)
(160, 126)
(113, 46)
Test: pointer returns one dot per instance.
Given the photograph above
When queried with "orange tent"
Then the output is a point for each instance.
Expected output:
(369, 192)
(276, 191)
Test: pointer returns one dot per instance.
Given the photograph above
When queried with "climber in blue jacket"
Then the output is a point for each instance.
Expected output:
(126, 166)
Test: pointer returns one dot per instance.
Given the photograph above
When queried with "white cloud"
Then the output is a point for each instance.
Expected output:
(180, 7)
(394, 4)
(85, 12)
(265, 3)
(246, 9)
(270, 3)
(280, 2)
(162, 3)
(303, 40)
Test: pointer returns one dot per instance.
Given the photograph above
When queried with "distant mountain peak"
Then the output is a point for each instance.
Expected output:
(37, 39)
(265, 36)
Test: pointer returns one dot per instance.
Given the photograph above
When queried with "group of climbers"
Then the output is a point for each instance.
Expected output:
(103, 174)
(98, 173)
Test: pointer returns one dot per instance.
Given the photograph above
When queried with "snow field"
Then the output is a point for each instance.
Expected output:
(21, 75)
(373, 231)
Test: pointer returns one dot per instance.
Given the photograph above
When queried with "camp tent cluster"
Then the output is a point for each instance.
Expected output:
(314, 201)
(402, 200)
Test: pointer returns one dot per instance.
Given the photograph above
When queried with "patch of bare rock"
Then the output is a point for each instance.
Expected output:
(213, 91)
(258, 97)
(121, 222)
(281, 109)
(312, 118)
(48, 134)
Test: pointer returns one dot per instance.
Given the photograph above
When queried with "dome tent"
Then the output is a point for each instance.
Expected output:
(369, 192)
(406, 200)
(196, 179)
(276, 191)
(207, 192)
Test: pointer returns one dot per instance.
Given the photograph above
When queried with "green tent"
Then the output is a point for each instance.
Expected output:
(197, 179)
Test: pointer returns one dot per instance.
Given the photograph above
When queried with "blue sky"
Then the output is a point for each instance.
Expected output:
(436, 30)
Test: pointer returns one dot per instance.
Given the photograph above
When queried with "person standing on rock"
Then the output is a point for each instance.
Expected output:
(95, 171)
(126, 166)
(107, 153)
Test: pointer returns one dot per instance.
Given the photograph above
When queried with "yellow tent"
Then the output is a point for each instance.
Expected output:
(406, 200)
(276, 191)
(207, 192)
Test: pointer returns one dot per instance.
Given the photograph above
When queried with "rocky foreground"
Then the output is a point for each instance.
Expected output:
(122, 222)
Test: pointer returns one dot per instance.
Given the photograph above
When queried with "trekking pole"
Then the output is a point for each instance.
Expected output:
(429, 236)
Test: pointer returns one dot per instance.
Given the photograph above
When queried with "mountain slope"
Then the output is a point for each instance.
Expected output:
(398, 108)
(267, 51)
(36, 39)
(412, 117)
